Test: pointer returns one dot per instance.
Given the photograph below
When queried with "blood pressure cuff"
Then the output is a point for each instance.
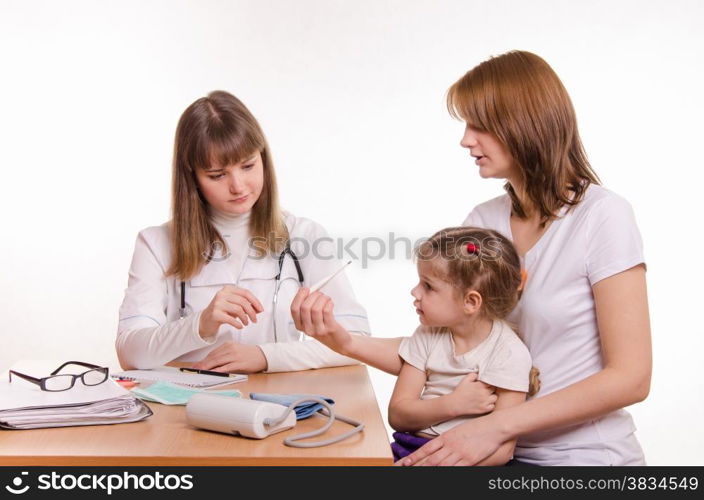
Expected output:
(303, 410)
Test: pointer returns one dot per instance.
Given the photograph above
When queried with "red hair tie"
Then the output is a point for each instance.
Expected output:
(472, 248)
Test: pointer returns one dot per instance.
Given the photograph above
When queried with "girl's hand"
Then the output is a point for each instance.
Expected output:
(232, 357)
(231, 305)
(466, 444)
(313, 315)
(472, 397)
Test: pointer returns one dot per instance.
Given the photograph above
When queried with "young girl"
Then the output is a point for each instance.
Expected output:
(213, 285)
(469, 281)
(584, 311)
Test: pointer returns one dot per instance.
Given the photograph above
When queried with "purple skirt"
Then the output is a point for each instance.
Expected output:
(406, 443)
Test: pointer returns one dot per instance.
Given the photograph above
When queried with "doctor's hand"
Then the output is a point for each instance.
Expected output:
(232, 306)
(312, 314)
(232, 357)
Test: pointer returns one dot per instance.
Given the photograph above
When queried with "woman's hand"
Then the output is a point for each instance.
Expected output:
(312, 314)
(472, 397)
(232, 357)
(466, 444)
(231, 305)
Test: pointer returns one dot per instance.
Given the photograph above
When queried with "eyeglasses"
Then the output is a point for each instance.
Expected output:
(56, 383)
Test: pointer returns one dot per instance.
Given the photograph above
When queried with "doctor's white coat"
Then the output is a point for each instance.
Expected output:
(150, 332)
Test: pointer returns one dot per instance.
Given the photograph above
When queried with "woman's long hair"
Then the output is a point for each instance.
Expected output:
(519, 99)
(217, 130)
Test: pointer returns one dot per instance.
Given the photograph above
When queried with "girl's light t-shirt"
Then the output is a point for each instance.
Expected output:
(556, 316)
(501, 360)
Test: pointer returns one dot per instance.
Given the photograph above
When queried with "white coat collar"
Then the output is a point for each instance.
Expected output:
(218, 272)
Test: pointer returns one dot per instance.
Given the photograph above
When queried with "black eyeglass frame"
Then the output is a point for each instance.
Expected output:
(41, 382)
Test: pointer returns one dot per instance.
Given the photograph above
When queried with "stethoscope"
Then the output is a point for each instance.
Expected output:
(277, 278)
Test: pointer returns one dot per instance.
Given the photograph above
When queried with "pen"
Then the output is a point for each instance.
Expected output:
(320, 284)
(208, 372)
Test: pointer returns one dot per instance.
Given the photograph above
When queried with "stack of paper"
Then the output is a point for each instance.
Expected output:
(24, 405)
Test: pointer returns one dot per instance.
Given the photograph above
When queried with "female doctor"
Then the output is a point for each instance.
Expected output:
(213, 286)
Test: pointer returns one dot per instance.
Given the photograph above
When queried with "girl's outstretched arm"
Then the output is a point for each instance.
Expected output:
(313, 315)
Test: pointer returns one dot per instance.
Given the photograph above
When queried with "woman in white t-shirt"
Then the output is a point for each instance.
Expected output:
(584, 310)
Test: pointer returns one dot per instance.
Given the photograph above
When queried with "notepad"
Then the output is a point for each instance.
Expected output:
(173, 375)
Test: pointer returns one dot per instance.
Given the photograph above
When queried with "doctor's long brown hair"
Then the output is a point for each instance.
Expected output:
(519, 99)
(217, 129)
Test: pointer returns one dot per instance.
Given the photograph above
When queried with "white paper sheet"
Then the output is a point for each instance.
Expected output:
(175, 376)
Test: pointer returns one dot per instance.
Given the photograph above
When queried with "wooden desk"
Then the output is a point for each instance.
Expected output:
(166, 439)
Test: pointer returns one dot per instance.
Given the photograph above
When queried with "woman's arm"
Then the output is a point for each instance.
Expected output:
(506, 399)
(624, 328)
(145, 337)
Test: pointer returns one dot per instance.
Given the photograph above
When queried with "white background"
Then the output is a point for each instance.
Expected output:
(351, 96)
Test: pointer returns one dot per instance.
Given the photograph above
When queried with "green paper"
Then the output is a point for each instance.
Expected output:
(168, 393)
